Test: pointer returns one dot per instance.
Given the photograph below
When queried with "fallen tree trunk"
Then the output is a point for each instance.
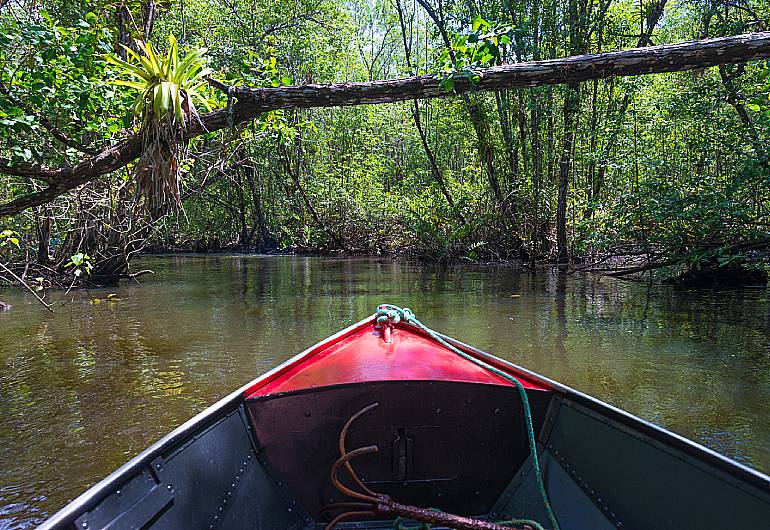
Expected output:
(653, 59)
(253, 102)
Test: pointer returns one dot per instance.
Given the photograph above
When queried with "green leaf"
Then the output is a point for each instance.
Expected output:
(131, 84)
(447, 84)
(478, 22)
(176, 98)
(162, 99)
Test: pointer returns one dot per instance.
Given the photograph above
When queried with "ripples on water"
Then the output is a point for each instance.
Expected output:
(85, 389)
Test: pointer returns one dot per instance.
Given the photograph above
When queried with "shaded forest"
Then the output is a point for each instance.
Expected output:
(664, 174)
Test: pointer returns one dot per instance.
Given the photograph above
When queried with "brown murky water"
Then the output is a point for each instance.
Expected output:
(85, 389)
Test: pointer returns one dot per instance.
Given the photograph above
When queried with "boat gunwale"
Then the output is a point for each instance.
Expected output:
(99, 491)
(261, 382)
(270, 376)
(658, 433)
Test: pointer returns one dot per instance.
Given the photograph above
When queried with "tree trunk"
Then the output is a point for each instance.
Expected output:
(592, 143)
(122, 36)
(437, 174)
(571, 105)
(256, 199)
(484, 144)
(43, 238)
(505, 127)
(648, 23)
(736, 101)
(475, 111)
(149, 19)
(295, 171)
(244, 238)
(522, 121)
(535, 136)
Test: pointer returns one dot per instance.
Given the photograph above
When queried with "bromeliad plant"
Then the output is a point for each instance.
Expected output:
(169, 90)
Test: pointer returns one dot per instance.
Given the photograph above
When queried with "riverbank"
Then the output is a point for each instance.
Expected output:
(636, 267)
(745, 270)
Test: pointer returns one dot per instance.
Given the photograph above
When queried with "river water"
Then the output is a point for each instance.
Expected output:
(87, 388)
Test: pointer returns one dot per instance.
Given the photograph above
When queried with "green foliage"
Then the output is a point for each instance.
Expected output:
(54, 69)
(663, 163)
(262, 71)
(80, 265)
(9, 238)
(482, 47)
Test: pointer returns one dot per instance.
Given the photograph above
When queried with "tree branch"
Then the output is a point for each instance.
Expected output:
(27, 287)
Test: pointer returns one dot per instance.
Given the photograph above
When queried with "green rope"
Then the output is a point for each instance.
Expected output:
(526, 522)
(399, 524)
(394, 314)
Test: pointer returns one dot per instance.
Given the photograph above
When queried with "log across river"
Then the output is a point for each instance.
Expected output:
(250, 103)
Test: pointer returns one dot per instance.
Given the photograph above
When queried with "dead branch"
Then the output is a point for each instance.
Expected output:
(26, 286)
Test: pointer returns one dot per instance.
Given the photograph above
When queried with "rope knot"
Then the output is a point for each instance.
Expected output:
(391, 314)
(388, 315)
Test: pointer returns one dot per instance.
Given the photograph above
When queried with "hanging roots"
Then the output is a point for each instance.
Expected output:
(158, 173)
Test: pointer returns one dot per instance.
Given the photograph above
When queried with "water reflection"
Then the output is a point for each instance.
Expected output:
(84, 389)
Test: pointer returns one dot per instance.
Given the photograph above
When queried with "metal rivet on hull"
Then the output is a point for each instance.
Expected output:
(229, 493)
(589, 491)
